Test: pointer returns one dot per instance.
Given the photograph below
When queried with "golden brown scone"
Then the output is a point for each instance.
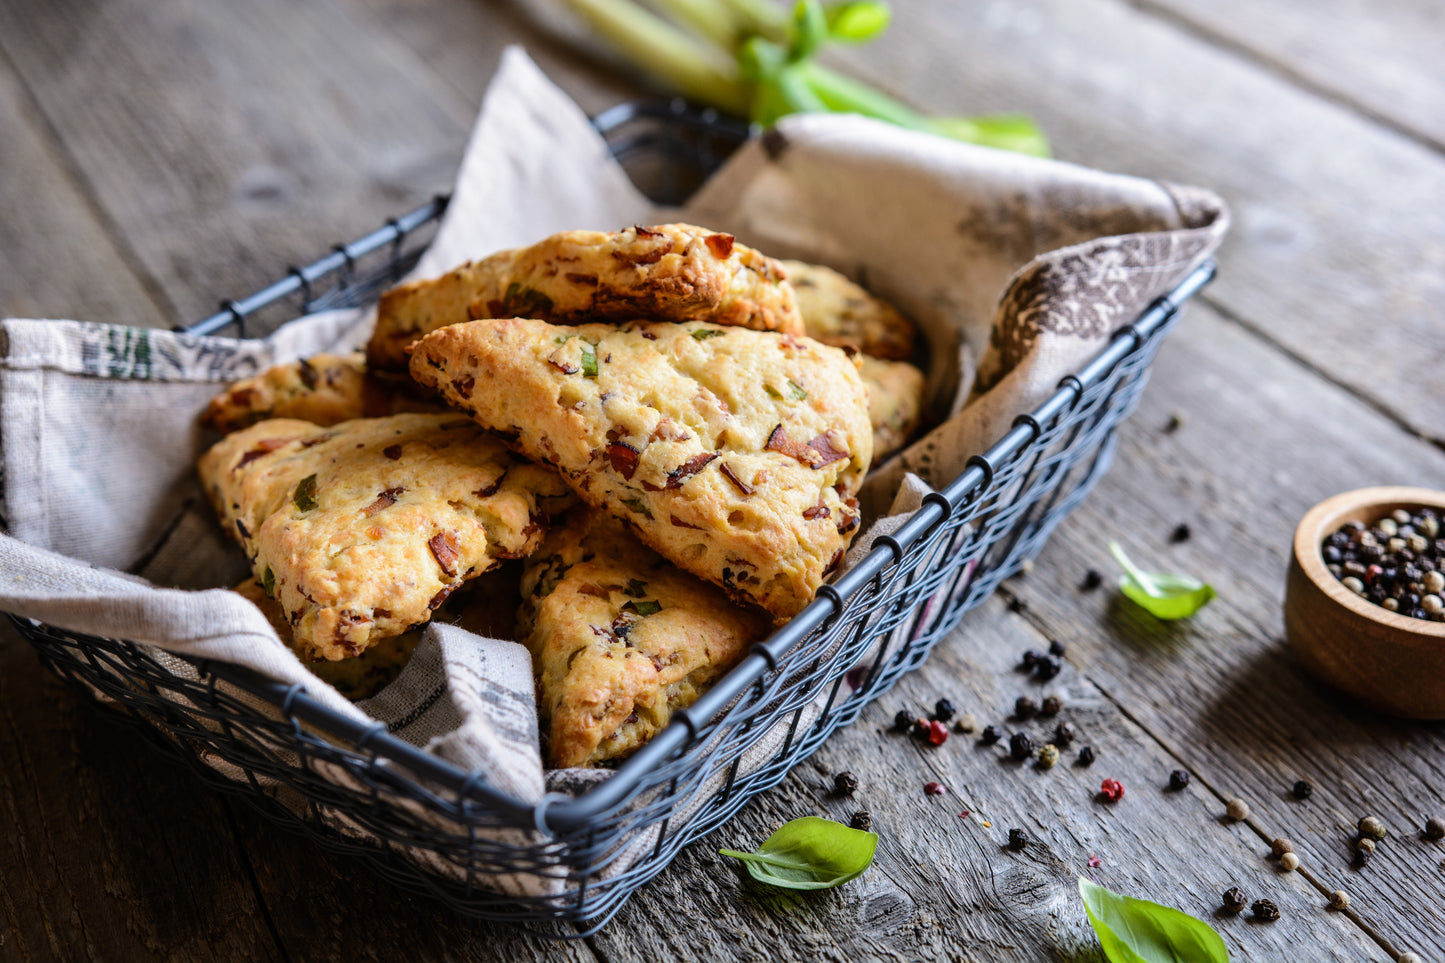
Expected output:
(620, 639)
(838, 312)
(737, 454)
(325, 389)
(358, 678)
(672, 272)
(362, 529)
(895, 402)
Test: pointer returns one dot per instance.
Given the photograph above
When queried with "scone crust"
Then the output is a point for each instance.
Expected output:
(670, 272)
(361, 530)
(325, 389)
(895, 402)
(620, 639)
(736, 454)
(837, 311)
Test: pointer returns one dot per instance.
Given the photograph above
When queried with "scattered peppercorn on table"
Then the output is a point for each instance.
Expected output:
(196, 147)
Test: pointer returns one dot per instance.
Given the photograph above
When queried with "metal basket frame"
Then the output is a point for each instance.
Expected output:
(356, 789)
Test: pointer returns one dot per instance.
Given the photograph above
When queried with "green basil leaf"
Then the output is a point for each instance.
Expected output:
(810, 853)
(589, 363)
(858, 21)
(305, 495)
(1161, 595)
(1137, 931)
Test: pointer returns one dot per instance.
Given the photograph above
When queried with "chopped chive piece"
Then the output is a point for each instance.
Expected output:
(305, 495)
(773, 393)
(268, 582)
(643, 609)
(635, 588)
(795, 391)
(702, 334)
(589, 363)
(635, 504)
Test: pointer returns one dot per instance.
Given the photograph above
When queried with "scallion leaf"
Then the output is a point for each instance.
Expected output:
(305, 495)
(589, 363)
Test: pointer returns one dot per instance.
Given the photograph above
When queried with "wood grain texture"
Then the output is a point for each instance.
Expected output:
(226, 141)
(1222, 689)
(1380, 58)
(1333, 255)
(59, 261)
(108, 852)
(943, 887)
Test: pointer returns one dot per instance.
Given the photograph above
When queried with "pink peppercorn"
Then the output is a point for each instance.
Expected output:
(937, 733)
(1112, 790)
(934, 788)
(1095, 862)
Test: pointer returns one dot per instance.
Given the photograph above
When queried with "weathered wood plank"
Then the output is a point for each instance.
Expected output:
(59, 262)
(226, 141)
(1333, 254)
(1262, 442)
(109, 852)
(942, 887)
(1380, 58)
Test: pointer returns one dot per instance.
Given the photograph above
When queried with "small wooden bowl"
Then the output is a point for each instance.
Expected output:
(1389, 661)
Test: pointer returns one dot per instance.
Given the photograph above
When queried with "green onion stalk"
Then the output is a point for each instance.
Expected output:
(750, 58)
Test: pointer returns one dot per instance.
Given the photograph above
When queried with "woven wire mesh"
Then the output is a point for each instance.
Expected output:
(433, 829)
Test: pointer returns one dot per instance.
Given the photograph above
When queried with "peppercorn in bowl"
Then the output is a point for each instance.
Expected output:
(1362, 605)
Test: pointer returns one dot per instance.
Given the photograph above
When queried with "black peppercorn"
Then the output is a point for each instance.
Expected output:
(1018, 838)
(1020, 746)
(943, 710)
(1362, 856)
(1087, 756)
(1048, 667)
(845, 784)
(1024, 707)
(1057, 648)
(1331, 554)
(1233, 899)
(1178, 779)
(921, 729)
(1065, 733)
(1093, 579)
(863, 820)
(1017, 605)
(990, 735)
(1051, 705)
(1181, 533)
(1435, 828)
(903, 721)
(1031, 659)
(1265, 909)
(1303, 790)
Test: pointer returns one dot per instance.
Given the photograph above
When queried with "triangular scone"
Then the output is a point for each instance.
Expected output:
(324, 389)
(362, 529)
(837, 311)
(734, 453)
(620, 639)
(671, 272)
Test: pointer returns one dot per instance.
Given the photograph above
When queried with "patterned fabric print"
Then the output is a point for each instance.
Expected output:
(143, 354)
(1086, 292)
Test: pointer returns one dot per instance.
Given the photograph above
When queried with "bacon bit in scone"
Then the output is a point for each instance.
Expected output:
(464, 386)
(581, 278)
(733, 560)
(241, 530)
(392, 451)
(825, 449)
(440, 597)
(669, 430)
(444, 547)
(682, 524)
(623, 458)
(307, 374)
(687, 469)
(488, 491)
(645, 231)
(651, 256)
(721, 245)
(312, 442)
(780, 442)
(568, 369)
(649, 335)
(263, 447)
(596, 591)
(535, 523)
(385, 500)
(731, 476)
(836, 561)
(817, 511)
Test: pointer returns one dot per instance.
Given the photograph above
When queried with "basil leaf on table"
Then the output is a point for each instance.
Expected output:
(1137, 931)
(1161, 595)
(810, 853)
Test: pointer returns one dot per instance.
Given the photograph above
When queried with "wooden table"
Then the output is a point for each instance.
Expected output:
(158, 154)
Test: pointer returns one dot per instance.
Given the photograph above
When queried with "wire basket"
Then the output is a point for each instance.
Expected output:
(432, 828)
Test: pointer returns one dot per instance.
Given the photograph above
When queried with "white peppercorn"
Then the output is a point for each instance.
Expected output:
(1388, 526)
(1370, 826)
(1339, 900)
(1432, 604)
(1237, 809)
(1400, 516)
(1365, 844)
(1434, 583)
(1408, 958)
(1289, 862)
(1353, 584)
